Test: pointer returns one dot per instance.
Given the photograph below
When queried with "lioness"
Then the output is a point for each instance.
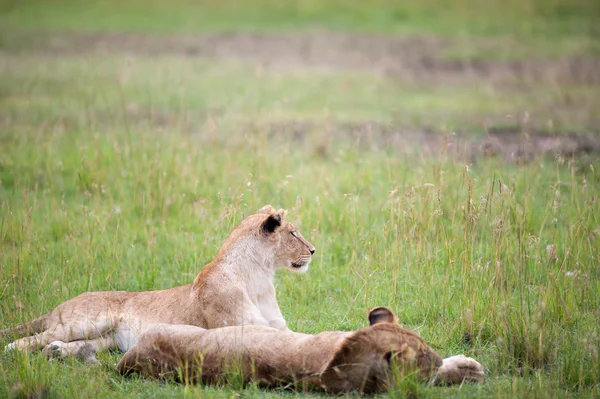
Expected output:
(236, 288)
(333, 361)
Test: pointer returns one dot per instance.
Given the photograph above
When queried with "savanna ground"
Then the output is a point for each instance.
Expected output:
(441, 156)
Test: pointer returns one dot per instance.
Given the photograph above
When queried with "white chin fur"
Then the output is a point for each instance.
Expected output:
(302, 269)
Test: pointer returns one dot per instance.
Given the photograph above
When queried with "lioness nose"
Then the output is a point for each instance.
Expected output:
(312, 251)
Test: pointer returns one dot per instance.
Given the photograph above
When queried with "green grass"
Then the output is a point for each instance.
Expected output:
(520, 28)
(128, 171)
(556, 18)
(94, 91)
(451, 250)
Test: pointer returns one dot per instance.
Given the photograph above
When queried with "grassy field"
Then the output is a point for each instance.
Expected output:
(128, 152)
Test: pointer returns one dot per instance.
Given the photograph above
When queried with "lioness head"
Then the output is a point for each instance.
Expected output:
(275, 237)
(367, 358)
(293, 252)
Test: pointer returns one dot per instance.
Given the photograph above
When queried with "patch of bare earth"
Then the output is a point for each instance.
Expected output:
(513, 145)
(405, 57)
(415, 59)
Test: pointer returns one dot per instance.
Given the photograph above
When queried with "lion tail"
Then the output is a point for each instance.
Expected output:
(33, 327)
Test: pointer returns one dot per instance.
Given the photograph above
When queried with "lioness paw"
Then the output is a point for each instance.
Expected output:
(10, 347)
(458, 369)
(55, 350)
(80, 349)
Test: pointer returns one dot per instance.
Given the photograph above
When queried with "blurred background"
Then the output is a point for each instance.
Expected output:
(441, 155)
(384, 72)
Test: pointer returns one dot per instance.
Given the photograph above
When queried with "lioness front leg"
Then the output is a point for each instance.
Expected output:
(270, 310)
(240, 310)
(258, 317)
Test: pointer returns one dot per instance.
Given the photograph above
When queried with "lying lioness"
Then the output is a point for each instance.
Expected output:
(333, 361)
(236, 288)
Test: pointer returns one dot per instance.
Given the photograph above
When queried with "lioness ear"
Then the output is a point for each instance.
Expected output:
(271, 223)
(381, 315)
(267, 210)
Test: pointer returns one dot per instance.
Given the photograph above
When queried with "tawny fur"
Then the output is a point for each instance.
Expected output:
(332, 361)
(236, 288)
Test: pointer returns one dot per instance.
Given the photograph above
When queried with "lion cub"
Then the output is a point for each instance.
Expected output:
(236, 288)
(332, 361)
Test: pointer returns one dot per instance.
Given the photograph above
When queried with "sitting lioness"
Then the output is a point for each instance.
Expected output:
(332, 361)
(236, 288)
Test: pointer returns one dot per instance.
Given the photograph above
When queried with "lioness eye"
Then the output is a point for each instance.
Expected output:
(294, 234)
